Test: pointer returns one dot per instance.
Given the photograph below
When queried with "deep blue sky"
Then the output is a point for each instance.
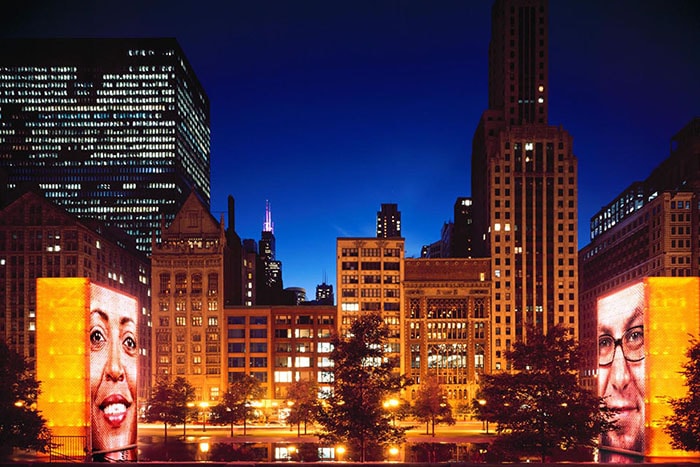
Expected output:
(329, 108)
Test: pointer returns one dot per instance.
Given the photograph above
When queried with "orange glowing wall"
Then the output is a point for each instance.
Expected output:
(62, 354)
(671, 317)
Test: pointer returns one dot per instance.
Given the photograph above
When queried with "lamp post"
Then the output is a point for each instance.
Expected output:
(482, 402)
(184, 420)
(391, 405)
(393, 452)
(204, 406)
(340, 450)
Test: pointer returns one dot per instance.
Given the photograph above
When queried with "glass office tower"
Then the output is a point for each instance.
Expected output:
(115, 129)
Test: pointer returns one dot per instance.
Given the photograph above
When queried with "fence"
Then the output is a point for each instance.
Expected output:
(68, 449)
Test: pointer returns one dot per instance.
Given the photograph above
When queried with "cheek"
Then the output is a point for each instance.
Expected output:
(602, 381)
(639, 377)
(97, 365)
(132, 369)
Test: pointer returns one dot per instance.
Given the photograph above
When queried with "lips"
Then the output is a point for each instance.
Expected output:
(114, 409)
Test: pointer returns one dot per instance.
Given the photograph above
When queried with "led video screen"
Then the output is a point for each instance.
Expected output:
(644, 331)
(87, 362)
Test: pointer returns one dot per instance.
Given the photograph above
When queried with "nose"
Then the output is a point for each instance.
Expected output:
(114, 370)
(619, 371)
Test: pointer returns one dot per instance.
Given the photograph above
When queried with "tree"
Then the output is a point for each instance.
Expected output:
(541, 408)
(684, 425)
(170, 403)
(302, 399)
(21, 425)
(431, 405)
(182, 401)
(235, 403)
(363, 376)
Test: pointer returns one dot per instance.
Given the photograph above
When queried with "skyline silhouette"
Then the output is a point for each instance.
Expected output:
(328, 109)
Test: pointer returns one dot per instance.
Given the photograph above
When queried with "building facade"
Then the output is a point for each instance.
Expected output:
(650, 230)
(40, 239)
(113, 129)
(324, 294)
(389, 221)
(369, 274)
(278, 346)
(462, 236)
(524, 184)
(249, 256)
(447, 324)
(187, 270)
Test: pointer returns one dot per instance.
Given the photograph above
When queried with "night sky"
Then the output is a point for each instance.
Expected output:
(330, 108)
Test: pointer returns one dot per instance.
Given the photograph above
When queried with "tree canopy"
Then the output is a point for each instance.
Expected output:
(169, 403)
(431, 405)
(235, 405)
(363, 377)
(540, 408)
(302, 399)
(684, 425)
(21, 425)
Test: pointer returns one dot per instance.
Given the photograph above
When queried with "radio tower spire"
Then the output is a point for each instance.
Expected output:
(268, 225)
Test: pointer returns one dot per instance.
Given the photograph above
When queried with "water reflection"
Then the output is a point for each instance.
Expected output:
(193, 448)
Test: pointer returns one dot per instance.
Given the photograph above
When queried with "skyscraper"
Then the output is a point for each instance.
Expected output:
(462, 235)
(270, 270)
(324, 294)
(524, 185)
(114, 129)
(389, 221)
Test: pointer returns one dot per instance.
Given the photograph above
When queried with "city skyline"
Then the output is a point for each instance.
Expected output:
(348, 106)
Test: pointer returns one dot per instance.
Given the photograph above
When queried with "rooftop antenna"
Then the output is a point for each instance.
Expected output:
(268, 225)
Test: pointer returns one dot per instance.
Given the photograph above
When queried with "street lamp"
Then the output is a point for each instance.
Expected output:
(204, 406)
(340, 450)
(184, 420)
(391, 405)
(393, 451)
(482, 402)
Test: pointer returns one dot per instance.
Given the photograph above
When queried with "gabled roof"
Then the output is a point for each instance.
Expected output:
(194, 219)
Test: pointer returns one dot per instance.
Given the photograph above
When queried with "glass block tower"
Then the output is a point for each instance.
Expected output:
(114, 129)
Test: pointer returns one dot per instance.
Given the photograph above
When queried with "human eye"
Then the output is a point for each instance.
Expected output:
(97, 338)
(130, 343)
(635, 336)
(605, 343)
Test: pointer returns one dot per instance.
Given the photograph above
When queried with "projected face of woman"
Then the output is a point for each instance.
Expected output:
(113, 371)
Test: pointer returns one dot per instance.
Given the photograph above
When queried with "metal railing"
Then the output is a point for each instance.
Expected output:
(68, 449)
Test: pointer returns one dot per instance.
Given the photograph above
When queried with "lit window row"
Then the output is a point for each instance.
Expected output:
(134, 76)
(35, 100)
(127, 92)
(34, 85)
(91, 108)
(38, 77)
(36, 92)
(134, 100)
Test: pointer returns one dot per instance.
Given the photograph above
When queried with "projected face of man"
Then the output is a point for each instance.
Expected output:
(113, 372)
(621, 366)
